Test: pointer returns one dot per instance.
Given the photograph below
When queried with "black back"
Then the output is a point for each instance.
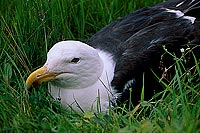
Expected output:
(136, 42)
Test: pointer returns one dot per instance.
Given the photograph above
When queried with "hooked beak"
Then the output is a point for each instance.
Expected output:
(39, 76)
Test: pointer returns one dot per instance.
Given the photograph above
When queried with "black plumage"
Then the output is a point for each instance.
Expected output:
(136, 43)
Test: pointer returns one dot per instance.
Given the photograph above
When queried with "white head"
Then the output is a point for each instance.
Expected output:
(70, 65)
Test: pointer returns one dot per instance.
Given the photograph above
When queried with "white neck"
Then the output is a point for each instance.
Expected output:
(88, 98)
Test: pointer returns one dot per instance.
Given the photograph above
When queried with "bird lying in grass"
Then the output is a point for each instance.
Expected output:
(94, 75)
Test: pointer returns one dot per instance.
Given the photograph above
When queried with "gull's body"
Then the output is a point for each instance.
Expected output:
(94, 75)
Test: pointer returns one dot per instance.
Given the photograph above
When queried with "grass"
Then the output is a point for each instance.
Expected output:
(30, 28)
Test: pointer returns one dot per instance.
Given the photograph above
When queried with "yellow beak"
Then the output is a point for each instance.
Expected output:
(39, 76)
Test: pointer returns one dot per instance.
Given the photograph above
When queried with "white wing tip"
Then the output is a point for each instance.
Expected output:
(192, 19)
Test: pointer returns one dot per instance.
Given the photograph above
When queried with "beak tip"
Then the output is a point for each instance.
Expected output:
(28, 84)
(39, 76)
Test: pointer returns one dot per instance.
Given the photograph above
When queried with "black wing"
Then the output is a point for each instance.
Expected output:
(136, 41)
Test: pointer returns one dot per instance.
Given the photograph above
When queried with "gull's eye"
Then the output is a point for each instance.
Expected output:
(75, 60)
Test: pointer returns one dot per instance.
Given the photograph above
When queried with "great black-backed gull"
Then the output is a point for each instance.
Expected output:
(94, 75)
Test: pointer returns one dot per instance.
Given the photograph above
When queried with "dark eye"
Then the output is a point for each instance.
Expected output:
(75, 60)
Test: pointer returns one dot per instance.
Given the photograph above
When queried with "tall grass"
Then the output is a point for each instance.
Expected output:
(30, 27)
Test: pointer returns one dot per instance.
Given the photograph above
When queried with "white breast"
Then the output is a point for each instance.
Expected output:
(93, 98)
